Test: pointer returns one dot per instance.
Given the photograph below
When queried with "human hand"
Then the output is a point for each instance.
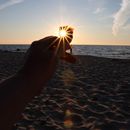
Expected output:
(43, 55)
(40, 64)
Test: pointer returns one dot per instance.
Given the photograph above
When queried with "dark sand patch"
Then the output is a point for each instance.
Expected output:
(90, 95)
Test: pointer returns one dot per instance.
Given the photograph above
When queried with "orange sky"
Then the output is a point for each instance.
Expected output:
(95, 22)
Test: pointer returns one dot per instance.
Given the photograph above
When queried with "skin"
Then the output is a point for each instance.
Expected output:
(41, 61)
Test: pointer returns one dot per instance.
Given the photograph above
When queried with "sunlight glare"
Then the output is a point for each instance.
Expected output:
(63, 33)
(68, 123)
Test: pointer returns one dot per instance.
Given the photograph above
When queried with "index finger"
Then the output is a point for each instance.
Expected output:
(44, 43)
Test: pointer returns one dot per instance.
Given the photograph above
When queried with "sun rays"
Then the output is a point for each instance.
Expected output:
(65, 35)
(62, 33)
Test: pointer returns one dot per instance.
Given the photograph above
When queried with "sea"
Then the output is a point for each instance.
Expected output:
(118, 52)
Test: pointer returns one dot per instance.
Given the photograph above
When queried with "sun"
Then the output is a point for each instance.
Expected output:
(62, 33)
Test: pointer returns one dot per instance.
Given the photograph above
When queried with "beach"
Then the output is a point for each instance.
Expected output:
(92, 94)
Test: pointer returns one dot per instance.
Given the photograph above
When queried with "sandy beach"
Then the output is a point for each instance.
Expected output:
(92, 94)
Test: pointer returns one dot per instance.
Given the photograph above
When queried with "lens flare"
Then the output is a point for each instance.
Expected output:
(62, 33)
(68, 113)
(68, 124)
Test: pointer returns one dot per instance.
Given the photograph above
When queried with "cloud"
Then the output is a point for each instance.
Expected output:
(9, 3)
(121, 17)
(99, 10)
(127, 27)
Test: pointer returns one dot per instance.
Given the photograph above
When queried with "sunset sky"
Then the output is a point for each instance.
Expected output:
(95, 21)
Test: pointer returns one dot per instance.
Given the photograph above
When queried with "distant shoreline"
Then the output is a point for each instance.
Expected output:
(118, 52)
(72, 44)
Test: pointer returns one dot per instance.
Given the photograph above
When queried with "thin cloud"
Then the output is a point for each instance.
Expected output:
(99, 10)
(9, 3)
(121, 17)
(127, 27)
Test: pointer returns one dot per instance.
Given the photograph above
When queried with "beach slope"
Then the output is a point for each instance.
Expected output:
(92, 94)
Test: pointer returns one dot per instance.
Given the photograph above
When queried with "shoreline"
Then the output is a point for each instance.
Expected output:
(118, 52)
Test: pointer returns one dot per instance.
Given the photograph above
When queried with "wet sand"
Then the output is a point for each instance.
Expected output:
(93, 94)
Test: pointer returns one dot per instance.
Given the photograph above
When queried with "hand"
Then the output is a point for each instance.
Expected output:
(42, 58)
(19, 89)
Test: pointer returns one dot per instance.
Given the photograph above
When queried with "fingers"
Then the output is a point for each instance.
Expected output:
(57, 46)
(51, 42)
(62, 44)
(60, 47)
(45, 43)
(69, 58)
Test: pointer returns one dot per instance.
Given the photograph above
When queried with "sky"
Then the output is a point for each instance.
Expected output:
(94, 21)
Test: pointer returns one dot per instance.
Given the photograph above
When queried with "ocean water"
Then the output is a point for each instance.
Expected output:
(120, 52)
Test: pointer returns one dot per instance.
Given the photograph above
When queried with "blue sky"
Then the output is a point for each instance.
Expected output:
(95, 21)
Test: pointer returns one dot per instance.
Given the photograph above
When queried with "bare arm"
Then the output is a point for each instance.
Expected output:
(19, 89)
(14, 95)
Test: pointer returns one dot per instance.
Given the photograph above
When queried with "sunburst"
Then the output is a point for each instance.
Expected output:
(65, 34)
(62, 33)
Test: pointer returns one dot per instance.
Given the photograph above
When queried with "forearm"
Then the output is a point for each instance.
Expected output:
(15, 93)
(15, 86)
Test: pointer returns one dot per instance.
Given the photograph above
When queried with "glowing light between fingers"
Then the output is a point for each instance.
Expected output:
(68, 124)
(62, 33)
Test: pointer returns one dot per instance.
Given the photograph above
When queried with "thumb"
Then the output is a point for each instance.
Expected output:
(69, 58)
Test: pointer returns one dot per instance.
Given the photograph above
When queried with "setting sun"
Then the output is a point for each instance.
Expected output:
(62, 33)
